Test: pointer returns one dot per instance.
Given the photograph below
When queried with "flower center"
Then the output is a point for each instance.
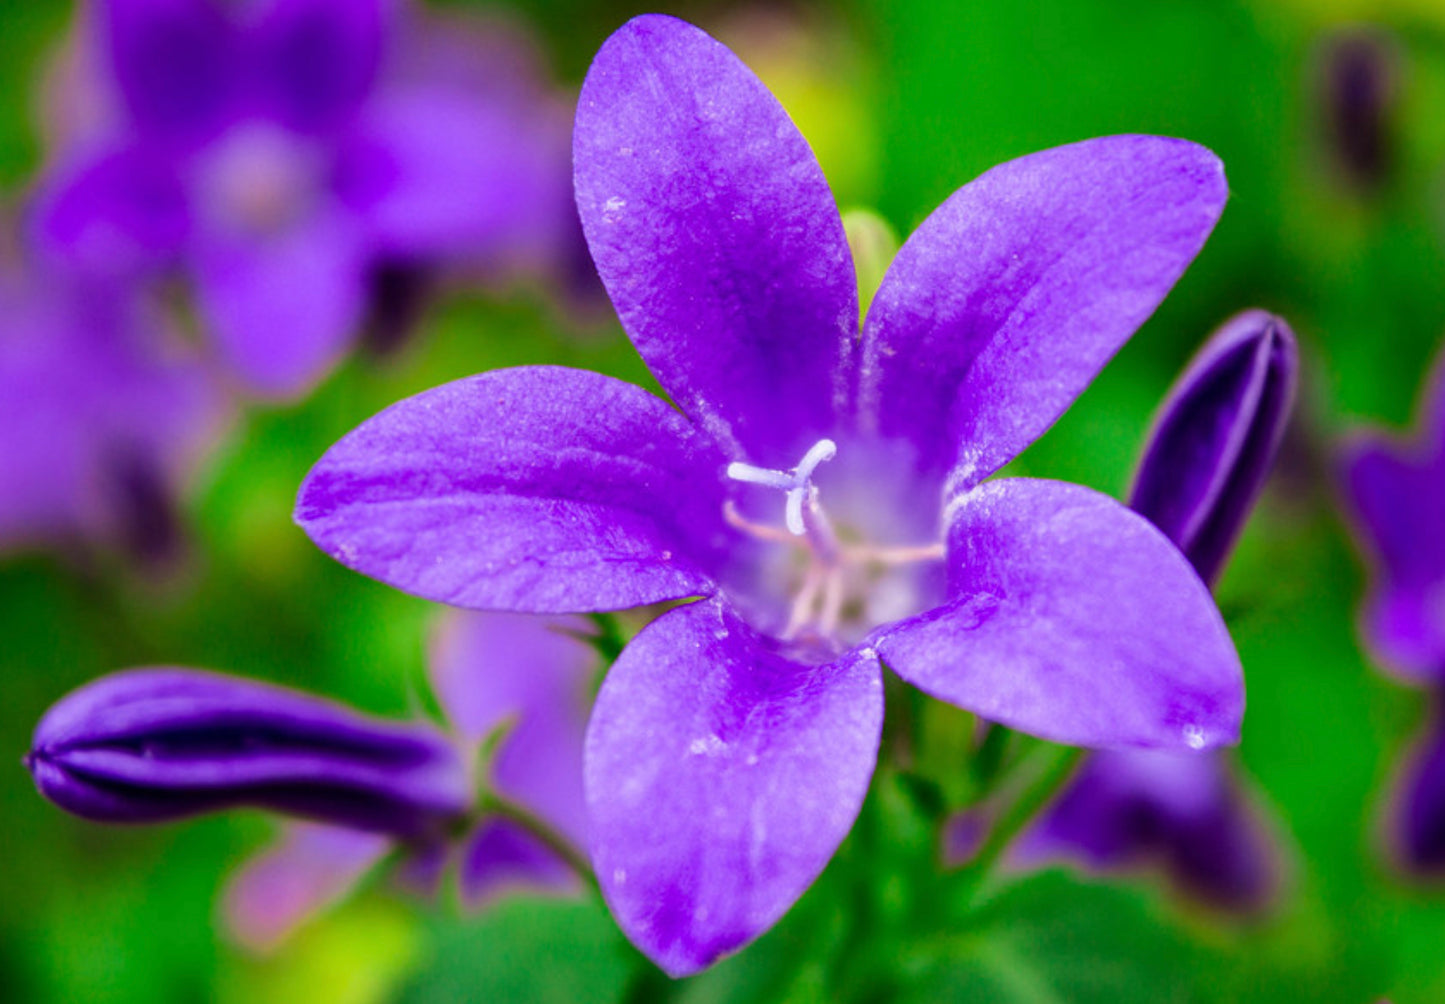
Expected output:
(835, 571)
(258, 180)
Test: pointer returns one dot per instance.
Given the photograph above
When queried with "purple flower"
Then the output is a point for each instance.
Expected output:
(1396, 491)
(102, 416)
(522, 675)
(149, 745)
(1211, 449)
(823, 493)
(282, 155)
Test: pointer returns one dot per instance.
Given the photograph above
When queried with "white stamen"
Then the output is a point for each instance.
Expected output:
(739, 471)
(797, 482)
(793, 511)
(823, 449)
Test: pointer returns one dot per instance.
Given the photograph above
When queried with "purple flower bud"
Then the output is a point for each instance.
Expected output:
(1419, 812)
(147, 745)
(1185, 811)
(1215, 437)
(1358, 86)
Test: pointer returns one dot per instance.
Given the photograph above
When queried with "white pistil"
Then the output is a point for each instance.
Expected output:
(798, 483)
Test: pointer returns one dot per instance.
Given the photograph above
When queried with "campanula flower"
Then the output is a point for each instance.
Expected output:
(289, 157)
(103, 415)
(1395, 488)
(1211, 448)
(822, 494)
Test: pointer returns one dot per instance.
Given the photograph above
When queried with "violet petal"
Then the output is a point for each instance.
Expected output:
(1012, 295)
(312, 62)
(540, 489)
(283, 307)
(308, 869)
(1073, 619)
(148, 745)
(525, 673)
(1215, 438)
(501, 855)
(95, 402)
(1396, 494)
(118, 211)
(721, 776)
(717, 238)
(435, 171)
(174, 62)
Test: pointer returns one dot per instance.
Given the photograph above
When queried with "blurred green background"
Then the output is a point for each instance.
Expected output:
(904, 100)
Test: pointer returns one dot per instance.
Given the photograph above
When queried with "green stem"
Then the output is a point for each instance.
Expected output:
(1018, 815)
(990, 757)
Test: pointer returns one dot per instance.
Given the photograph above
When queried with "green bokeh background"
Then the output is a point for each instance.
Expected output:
(904, 101)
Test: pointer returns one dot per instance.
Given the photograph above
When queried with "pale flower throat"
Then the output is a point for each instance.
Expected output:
(834, 568)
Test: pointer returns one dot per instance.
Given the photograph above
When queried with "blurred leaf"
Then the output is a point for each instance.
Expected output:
(356, 955)
(1053, 938)
(525, 949)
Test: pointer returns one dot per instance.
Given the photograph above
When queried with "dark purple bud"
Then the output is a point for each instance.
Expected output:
(397, 293)
(147, 745)
(1420, 812)
(148, 525)
(1215, 438)
(1184, 811)
(1358, 85)
(501, 855)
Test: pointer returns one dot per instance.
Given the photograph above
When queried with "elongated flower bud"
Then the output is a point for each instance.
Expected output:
(1215, 438)
(147, 745)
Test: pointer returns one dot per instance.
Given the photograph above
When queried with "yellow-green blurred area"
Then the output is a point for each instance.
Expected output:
(904, 100)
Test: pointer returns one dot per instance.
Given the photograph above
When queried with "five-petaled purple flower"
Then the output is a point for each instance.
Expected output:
(823, 493)
(292, 158)
(150, 745)
(1211, 449)
(1396, 491)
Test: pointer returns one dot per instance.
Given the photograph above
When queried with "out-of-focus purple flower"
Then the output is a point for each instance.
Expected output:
(1207, 458)
(103, 415)
(149, 745)
(733, 741)
(522, 675)
(282, 154)
(1183, 810)
(1395, 488)
(1396, 494)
